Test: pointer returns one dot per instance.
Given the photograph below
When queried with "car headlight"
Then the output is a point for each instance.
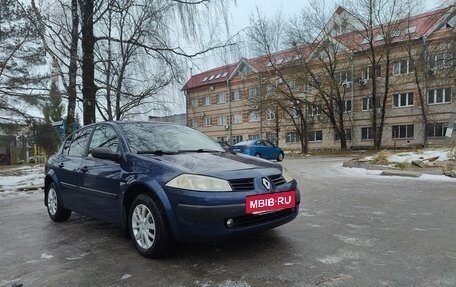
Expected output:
(199, 183)
(287, 175)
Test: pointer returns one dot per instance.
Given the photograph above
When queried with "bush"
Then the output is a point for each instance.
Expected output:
(381, 157)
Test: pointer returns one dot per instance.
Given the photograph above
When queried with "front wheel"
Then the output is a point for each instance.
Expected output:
(149, 228)
(280, 156)
(54, 206)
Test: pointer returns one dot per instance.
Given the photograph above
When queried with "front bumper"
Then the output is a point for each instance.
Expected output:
(203, 217)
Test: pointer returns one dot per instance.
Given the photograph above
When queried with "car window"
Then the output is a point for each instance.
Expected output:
(79, 143)
(266, 143)
(104, 136)
(66, 145)
(258, 143)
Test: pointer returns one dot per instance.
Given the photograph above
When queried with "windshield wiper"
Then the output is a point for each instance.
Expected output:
(156, 152)
(200, 150)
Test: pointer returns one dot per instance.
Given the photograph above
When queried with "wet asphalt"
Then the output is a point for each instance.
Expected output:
(352, 230)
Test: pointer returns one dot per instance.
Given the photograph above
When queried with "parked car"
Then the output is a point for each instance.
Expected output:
(163, 182)
(224, 145)
(259, 148)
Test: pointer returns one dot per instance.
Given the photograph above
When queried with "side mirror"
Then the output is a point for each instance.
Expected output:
(105, 153)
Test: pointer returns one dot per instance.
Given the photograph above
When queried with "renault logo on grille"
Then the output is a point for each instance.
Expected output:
(266, 183)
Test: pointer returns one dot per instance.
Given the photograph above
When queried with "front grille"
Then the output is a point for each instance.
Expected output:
(277, 179)
(242, 184)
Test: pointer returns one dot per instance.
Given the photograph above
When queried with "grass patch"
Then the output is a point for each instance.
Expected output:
(402, 165)
(381, 157)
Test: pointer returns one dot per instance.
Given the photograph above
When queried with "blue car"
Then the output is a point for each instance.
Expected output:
(164, 183)
(259, 148)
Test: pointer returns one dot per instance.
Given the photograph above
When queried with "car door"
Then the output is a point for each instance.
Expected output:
(68, 168)
(272, 151)
(101, 177)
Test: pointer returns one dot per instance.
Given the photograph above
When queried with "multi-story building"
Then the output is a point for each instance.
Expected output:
(419, 106)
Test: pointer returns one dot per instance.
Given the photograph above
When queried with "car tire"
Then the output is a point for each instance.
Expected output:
(54, 205)
(258, 154)
(149, 227)
(280, 156)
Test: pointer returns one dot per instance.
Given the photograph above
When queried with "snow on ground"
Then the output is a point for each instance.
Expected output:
(443, 155)
(16, 178)
(408, 157)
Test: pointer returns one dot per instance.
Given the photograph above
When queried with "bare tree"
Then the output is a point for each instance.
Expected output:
(266, 38)
(380, 22)
(59, 33)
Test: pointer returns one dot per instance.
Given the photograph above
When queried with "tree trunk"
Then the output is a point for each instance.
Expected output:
(88, 66)
(73, 68)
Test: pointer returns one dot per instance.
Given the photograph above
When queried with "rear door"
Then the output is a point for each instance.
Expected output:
(101, 178)
(68, 169)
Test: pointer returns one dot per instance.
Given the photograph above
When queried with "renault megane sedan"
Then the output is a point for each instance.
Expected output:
(164, 183)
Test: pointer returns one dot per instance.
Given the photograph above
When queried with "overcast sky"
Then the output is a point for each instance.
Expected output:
(244, 8)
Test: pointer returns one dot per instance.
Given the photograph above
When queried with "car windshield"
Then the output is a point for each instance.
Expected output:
(144, 137)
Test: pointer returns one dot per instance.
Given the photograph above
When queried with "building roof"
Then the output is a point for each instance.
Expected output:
(414, 28)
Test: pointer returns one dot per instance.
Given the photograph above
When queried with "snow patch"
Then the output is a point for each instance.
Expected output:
(46, 256)
(126, 276)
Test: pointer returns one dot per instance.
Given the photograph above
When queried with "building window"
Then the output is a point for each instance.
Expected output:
(348, 105)
(236, 96)
(315, 136)
(270, 114)
(253, 92)
(439, 96)
(221, 120)
(292, 113)
(254, 117)
(403, 132)
(206, 100)
(343, 76)
(237, 139)
(194, 102)
(403, 67)
(402, 100)
(193, 123)
(221, 98)
(291, 137)
(366, 73)
(437, 130)
(272, 137)
(440, 61)
(366, 133)
(254, 137)
(313, 110)
(207, 121)
(237, 118)
(221, 139)
(347, 135)
(366, 104)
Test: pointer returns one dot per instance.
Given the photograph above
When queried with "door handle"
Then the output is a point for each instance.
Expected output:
(84, 169)
(61, 165)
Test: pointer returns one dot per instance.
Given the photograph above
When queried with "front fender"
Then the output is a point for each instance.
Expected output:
(51, 177)
(152, 186)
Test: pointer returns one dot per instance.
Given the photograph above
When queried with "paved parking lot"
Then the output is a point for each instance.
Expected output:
(353, 230)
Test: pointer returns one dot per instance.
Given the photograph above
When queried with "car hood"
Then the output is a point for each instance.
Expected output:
(213, 163)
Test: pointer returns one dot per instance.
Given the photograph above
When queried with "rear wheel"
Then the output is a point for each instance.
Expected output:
(258, 154)
(149, 227)
(280, 156)
(54, 206)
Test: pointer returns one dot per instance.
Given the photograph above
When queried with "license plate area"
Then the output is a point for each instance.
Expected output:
(266, 203)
